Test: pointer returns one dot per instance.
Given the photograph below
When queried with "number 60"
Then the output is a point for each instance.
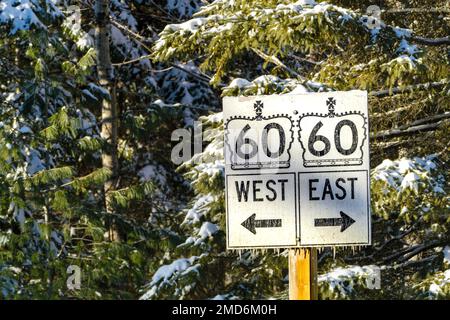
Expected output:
(241, 141)
(314, 137)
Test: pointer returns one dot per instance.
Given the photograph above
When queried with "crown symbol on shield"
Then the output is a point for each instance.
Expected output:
(331, 104)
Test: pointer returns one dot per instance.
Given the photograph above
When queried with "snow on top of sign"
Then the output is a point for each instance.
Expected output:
(289, 86)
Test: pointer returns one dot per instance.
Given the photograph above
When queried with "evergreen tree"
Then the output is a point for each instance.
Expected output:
(287, 46)
(53, 211)
(90, 98)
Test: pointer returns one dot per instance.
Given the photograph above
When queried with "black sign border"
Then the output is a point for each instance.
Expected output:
(259, 118)
(332, 115)
(296, 213)
(368, 243)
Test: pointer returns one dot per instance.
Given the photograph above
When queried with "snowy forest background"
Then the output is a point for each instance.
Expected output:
(87, 112)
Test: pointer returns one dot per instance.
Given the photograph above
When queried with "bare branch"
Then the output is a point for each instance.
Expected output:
(277, 62)
(200, 77)
(430, 41)
(421, 125)
(410, 88)
(418, 250)
(412, 263)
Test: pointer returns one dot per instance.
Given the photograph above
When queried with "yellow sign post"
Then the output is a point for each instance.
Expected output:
(303, 274)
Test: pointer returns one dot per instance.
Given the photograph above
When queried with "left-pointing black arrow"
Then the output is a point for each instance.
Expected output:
(344, 221)
(251, 223)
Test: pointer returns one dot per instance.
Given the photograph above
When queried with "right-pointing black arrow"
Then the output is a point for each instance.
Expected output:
(344, 221)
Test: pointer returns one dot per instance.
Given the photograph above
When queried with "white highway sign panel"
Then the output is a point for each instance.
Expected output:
(297, 170)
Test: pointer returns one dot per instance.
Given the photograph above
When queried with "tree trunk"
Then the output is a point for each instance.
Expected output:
(109, 108)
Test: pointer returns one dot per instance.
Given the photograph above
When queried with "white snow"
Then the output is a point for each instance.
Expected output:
(207, 230)
(343, 279)
(299, 89)
(405, 174)
(239, 83)
(87, 93)
(446, 252)
(405, 165)
(19, 215)
(265, 79)
(402, 32)
(118, 37)
(198, 209)
(34, 163)
(226, 296)
(25, 129)
(407, 48)
(215, 117)
(162, 104)
(214, 23)
(129, 19)
(153, 172)
(21, 13)
(410, 181)
(85, 41)
(435, 289)
(169, 273)
(212, 169)
(404, 60)
(99, 89)
(191, 26)
(443, 279)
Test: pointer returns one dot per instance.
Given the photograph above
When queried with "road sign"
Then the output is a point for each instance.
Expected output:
(297, 170)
